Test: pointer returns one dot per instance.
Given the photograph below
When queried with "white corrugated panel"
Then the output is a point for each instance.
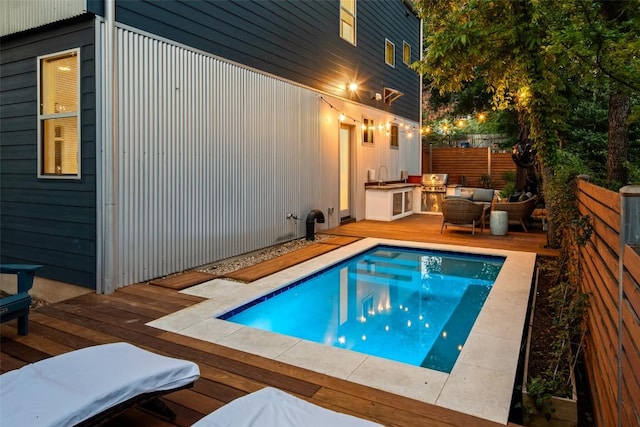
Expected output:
(20, 15)
(211, 157)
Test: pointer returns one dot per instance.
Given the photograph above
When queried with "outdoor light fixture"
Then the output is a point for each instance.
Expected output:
(353, 87)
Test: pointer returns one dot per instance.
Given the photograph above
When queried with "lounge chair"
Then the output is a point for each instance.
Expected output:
(463, 212)
(17, 306)
(89, 386)
(518, 212)
(270, 407)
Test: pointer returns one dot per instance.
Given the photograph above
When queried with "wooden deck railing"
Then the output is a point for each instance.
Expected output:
(611, 276)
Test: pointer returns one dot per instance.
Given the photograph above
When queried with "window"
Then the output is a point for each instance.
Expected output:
(368, 126)
(58, 115)
(393, 136)
(389, 53)
(406, 53)
(348, 20)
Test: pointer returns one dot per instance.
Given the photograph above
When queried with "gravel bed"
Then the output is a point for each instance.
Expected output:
(235, 263)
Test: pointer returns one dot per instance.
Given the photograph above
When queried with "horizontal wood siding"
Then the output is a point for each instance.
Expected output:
(296, 40)
(470, 164)
(600, 264)
(49, 222)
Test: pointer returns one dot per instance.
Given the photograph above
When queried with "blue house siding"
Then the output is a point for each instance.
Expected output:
(48, 222)
(296, 40)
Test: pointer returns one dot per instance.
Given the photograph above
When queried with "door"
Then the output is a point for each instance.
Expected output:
(345, 171)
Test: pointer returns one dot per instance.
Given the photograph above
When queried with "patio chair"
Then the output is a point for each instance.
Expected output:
(91, 385)
(518, 212)
(17, 306)
(270, 407)
(462, 212)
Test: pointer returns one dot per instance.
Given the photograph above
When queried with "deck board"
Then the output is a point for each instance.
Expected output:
(266, 268)
(183, 280)
(227, 373)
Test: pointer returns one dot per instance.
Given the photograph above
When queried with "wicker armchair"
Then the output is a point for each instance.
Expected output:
(518, 212)
(462, 212)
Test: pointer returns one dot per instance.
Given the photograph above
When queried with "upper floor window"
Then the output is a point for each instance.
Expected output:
(348, 20)
(389, 53)
(406, 53)
(58, 115)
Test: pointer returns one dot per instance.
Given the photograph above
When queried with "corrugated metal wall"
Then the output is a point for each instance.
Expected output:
(210, 158)
(20, 15)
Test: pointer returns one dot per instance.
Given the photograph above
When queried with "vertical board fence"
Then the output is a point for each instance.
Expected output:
(468, 166)
(610, 264)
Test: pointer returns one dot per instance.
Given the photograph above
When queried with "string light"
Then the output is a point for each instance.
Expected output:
(343, 116)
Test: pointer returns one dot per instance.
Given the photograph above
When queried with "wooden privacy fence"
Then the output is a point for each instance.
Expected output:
(610, 264)
(470, 163)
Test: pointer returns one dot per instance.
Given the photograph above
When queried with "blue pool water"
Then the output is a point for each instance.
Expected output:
(408, 305)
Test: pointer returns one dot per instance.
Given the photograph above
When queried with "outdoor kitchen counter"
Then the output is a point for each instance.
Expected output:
(390, 186)
(388, 202)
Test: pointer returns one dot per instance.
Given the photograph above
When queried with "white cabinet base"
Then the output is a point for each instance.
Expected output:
(383, 204)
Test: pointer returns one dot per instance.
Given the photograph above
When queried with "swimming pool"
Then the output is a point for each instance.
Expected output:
(409, 305)
(481, 382)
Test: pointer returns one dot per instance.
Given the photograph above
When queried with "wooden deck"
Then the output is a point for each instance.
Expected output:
(227, 373)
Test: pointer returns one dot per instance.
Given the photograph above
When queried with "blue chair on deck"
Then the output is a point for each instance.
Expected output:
(17, 306)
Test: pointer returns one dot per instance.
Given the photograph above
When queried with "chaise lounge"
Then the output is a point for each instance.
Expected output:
(90, 385)
(270, 407)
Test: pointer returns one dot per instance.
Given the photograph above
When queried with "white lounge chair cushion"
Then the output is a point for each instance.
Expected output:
(72, 387)
(270, 407)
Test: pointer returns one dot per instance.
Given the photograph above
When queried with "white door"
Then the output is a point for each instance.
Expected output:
(345, 172)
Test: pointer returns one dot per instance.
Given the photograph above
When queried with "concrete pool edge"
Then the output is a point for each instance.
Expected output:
(481, 383)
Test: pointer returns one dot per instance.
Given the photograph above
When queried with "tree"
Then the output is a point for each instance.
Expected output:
(531, 54)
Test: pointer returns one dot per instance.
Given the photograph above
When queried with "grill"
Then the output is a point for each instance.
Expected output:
(435, 182)
(434, 187)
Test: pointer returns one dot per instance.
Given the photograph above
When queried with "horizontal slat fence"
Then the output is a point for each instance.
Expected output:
(612, 353)
(467, 166)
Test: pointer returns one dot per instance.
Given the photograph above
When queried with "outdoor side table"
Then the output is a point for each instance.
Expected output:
(499, 223)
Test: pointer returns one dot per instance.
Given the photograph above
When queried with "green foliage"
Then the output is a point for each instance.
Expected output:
(539, 389)
(533, 56)
(510, 184)
(569, 303)
(586, 135)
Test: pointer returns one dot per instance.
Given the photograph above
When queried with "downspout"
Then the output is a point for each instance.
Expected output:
(109, 177)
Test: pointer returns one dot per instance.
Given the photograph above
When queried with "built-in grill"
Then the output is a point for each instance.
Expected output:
(434, 187)
(435, 182)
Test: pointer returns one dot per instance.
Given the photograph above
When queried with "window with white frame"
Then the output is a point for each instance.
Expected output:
(348, 20)
(406, 53)
(59, 115)
(368, 128)
(389, 53)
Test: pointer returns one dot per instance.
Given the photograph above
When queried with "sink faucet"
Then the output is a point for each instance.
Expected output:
(380, 181)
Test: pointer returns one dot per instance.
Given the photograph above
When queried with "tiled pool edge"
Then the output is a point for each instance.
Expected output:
(480, 384)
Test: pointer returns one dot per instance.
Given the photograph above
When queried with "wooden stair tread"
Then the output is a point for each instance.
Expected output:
(263, 269)
(183, 280)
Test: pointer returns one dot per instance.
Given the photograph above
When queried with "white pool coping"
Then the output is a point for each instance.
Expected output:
(481, 382)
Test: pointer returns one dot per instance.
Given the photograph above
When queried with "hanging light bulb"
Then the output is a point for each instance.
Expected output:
(342, 117)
